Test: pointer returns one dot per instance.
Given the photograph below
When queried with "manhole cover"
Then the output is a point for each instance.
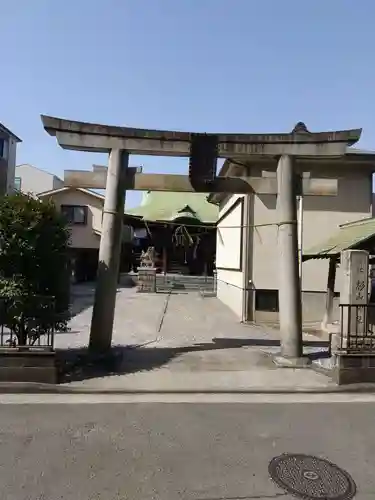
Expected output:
(311, 478)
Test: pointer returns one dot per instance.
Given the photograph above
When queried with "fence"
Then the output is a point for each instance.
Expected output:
(27, 322)
(357, 328)
(203, 284)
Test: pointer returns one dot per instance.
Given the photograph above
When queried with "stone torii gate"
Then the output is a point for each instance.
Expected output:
(203, 151)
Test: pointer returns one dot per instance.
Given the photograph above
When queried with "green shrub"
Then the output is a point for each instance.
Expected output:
(34, 280)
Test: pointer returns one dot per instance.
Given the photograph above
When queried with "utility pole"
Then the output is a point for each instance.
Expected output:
(290, 308)
(109, 252)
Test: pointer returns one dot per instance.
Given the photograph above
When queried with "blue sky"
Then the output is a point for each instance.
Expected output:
(199, 65)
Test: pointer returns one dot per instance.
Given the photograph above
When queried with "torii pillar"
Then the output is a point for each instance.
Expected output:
(203, 151)
(109, 252)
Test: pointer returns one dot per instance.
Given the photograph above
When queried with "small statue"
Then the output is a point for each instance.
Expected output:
(148, 258)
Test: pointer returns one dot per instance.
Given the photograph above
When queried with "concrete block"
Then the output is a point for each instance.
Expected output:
(146, 280)
(354, 369)
(28, 366)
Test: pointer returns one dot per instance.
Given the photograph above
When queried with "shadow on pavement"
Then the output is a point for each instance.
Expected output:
(263, 342)
(79, 364)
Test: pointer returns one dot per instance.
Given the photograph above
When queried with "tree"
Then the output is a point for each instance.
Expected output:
(34, 286)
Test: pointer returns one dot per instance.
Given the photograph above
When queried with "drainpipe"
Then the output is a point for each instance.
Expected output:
(246, 256)
(300, 235)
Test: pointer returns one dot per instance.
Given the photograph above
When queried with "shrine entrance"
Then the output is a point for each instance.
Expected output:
(202, 151)
(182, 229)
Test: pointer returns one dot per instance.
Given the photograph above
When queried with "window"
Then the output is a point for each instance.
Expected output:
(267, 300)
(17, 183)
(75, 214)
(3, 148)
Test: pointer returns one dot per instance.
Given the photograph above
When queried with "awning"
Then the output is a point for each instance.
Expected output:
(349, 236)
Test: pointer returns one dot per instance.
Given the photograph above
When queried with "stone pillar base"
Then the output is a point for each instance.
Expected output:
(146, 280)
(284, 362)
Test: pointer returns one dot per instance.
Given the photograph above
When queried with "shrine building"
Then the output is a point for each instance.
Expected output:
(247, 253)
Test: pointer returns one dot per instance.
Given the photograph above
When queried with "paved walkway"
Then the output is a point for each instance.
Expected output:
(185, 342)
(176, 320)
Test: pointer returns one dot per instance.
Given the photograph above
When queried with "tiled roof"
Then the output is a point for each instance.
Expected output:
(167, 206)
(349, 236)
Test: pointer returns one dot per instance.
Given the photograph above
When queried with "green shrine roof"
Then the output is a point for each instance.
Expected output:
(167, 206)
(349, 236)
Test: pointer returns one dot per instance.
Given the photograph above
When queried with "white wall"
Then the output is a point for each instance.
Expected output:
(321, 219)
(35, 180)
(230, 255)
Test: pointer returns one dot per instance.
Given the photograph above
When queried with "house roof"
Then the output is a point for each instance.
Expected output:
(349, 236)
(39, 169)
(167, 206)
(61, 190)
(6, 130)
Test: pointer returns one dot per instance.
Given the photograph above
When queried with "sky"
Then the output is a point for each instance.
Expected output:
(196, 65)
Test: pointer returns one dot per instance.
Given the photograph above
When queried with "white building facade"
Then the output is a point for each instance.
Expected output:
(247, 259)
(33, 180)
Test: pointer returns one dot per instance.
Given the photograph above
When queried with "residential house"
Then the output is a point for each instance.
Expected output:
(33, 180)
(8, 153)
(247, 254)
(84, 211)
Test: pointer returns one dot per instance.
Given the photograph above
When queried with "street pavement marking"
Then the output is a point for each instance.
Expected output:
(329, 398)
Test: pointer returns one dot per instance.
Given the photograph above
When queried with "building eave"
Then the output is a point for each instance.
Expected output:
(6, 130)
(52, 192)
(230, 168)
(233, 167)
(355, 234)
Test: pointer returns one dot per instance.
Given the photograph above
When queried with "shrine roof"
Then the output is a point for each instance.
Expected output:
(349, 236)
(167, 206)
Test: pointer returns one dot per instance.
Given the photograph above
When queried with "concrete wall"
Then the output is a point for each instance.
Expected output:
(322, 216)
(35, 180)
(83, 236)
(230, 255)
(7, 166)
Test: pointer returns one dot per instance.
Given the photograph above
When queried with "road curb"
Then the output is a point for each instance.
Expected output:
(35, 388)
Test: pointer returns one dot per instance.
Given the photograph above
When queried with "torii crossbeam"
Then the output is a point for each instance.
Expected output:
(203, 151)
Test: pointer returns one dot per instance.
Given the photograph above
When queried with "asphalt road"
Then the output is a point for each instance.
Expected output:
(145, 451)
